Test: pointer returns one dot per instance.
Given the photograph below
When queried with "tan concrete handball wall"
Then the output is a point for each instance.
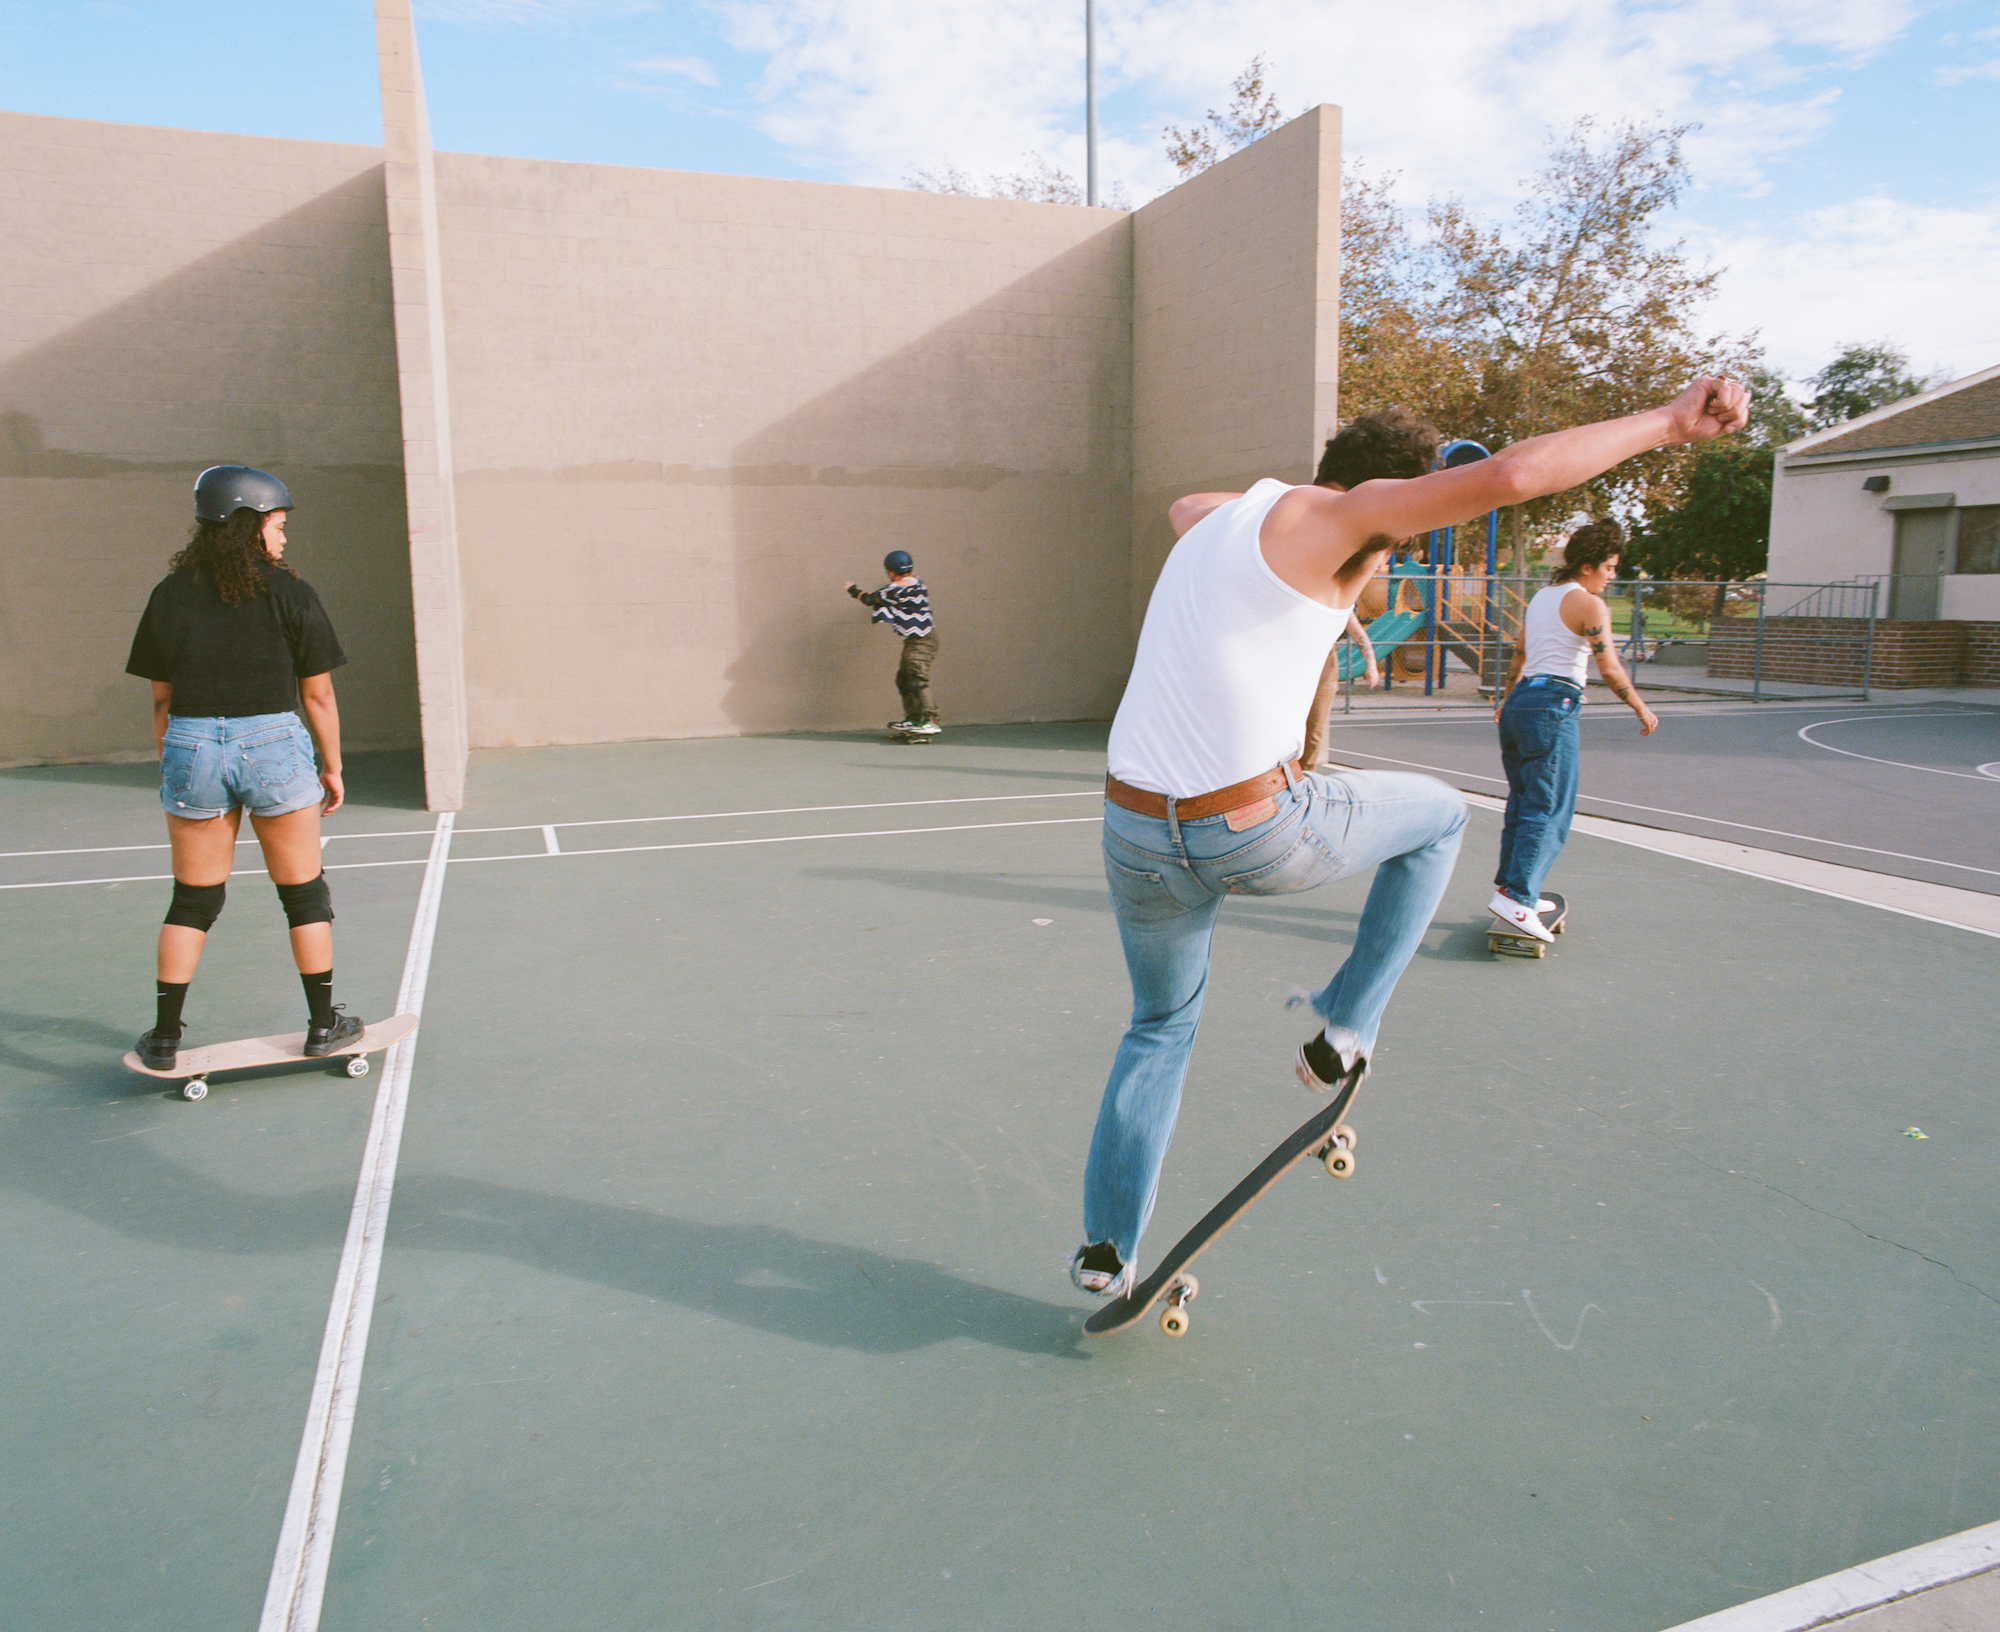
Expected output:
(686, 407)
(177, 299)
(1236, 327)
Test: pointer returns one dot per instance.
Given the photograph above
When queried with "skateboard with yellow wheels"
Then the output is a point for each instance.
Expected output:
(1324, 1135)
(194, 1066)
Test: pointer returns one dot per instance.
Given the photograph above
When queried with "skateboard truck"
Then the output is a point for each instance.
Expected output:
(1337, 1154)
(1173, 1318)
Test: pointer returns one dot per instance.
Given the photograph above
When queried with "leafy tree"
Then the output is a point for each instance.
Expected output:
(1775, 417)
(1252, 112)
(1720, 528)
(1861, 379)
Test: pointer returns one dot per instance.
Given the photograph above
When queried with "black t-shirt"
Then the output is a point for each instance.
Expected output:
(232, 660)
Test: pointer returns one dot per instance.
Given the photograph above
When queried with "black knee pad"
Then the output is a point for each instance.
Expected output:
(307, 903)
(196, 906)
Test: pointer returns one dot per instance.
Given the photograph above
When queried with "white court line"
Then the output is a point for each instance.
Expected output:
(1866, 1586)
(1901, 765)
(604, 821)
(549, 839)
(607, 850)
(305, 1543)
(1688, 815)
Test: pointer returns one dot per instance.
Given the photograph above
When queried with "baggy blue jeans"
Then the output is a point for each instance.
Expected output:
(1540, 750)
(1168, 879)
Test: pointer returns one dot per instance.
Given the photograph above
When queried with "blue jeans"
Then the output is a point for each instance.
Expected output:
(1167, 880)
(263, 762)
(1539, 748)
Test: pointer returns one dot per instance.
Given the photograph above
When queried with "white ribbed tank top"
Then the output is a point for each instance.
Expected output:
(1229, 657)
(1548, 645)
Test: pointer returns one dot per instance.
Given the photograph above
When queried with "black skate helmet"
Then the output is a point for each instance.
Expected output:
(897, 562)
(221, 490)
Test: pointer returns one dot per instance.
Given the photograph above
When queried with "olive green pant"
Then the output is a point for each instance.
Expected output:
(913, 677)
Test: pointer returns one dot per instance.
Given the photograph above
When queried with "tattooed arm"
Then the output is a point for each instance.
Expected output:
(1591, 618)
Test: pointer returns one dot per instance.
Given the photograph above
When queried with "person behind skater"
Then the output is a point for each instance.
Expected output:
(904, 604)
(227, 638)
(1206, 798)
(1565, 625)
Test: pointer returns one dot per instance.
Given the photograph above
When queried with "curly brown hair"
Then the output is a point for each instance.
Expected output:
(232, 554)
(1588, 545)
(1389, 442)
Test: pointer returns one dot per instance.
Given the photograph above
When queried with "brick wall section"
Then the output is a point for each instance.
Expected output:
(1828, 652)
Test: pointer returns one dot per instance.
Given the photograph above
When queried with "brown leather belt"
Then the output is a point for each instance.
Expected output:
(1218, 803)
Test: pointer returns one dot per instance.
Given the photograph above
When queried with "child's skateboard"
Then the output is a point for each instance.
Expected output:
(1511, 942)
(195, 1065)
(910, 733)
(1325, 1136)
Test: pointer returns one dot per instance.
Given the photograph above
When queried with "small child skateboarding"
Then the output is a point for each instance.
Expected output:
(904, 604)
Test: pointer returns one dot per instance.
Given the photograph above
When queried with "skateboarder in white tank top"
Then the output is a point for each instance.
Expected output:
(1206, 797)
(1566, 625)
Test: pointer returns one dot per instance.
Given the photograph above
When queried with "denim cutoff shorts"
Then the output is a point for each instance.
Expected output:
(263, 762)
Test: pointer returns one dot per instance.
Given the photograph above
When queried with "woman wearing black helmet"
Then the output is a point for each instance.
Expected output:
(229, 638)
(904, 604)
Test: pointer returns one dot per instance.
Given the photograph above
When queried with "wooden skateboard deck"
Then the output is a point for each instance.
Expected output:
(193, 1066)
(1324, 1135)
(1512, 943)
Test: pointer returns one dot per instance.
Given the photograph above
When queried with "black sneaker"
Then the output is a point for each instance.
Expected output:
(157, 1050)
(327, 1039)
(1319, 1069)
(1095, 1268)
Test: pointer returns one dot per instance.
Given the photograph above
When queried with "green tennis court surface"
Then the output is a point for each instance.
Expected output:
(722, 1285)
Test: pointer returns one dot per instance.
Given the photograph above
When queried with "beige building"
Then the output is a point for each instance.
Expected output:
(583, 453)
(1910, 494)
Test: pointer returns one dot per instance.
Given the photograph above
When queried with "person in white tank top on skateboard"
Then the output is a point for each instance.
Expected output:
(1206, 798)
(1566, 625)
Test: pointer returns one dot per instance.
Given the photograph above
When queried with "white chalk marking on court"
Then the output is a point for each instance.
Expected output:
(783, 838)
(1690, 816)
(1777, 1314)
(1991, 768)
(604, 821)
(1866, 1586)
(305, 1543)
(1805, 735)
(1970, 910)
(549, 839)
(1575, 1337)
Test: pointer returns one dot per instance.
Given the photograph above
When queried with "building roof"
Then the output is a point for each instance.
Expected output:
(1966, 410)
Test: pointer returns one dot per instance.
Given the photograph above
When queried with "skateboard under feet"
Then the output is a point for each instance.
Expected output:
(911, 734)
(1324, 1135)
(1512, 943)
(193, 1066)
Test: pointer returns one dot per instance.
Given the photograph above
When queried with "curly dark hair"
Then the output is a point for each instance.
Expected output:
(232, 554)
(1389, 442)
(1587, 546)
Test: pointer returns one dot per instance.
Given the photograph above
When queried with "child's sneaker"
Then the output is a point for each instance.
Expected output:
(1522, 920)
(1096, 1270)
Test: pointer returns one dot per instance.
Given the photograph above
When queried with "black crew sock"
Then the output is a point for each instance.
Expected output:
(167, 1000)
(319, 997)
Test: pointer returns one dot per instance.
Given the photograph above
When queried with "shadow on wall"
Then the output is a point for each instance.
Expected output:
(275, 350)
(996, 450)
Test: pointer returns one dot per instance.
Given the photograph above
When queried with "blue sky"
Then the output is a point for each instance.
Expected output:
(1847, 165)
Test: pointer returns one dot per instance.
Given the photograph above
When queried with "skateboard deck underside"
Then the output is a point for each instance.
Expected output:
(1310, 1137)
(249, 1053)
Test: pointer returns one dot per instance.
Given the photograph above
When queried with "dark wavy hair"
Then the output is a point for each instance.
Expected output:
(1587, 546)
(231, 555)
(1390, 442)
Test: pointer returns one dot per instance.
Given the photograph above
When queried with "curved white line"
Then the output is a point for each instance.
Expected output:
(1990, 768)
(1901, 765)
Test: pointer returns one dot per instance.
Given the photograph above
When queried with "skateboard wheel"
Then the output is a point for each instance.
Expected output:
(195, 1088)
(1339, 1160)
(357, 1065)
(1173, 1320)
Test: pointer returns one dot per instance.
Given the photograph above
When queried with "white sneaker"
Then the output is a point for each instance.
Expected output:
(1517, 917)
(1095, 1269)
(1545, 905)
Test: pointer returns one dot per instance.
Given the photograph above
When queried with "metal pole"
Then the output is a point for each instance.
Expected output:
(1090, 102)
(1757, 671)
(1492, 598)
(1430, 619)
(1868, 651)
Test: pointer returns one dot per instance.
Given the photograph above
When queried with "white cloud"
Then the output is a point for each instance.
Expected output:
(694, 68)
(1958, 76)
(1869, 269)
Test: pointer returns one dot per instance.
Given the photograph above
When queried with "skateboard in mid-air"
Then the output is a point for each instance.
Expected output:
(192, 1067)
(1326, 1135)
(912, 734)
(1512, 943)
